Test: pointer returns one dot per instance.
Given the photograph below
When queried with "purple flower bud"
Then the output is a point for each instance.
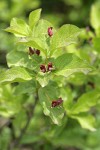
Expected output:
(50, 32)
(50, 67)
(37, 52)
(31, 51)
(56, 102)
(43, 68)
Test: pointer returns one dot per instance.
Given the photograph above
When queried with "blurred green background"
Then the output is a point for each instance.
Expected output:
(43, 137)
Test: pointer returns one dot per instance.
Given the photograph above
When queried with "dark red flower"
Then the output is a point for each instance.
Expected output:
(57, 102)
(50, 32)
(43, 68)
(31, 51)
(54, 103)
(37, 52)
(50, 66)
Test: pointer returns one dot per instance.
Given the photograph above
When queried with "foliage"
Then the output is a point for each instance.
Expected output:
(55, 72)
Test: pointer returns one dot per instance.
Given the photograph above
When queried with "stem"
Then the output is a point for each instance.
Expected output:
(16, 141)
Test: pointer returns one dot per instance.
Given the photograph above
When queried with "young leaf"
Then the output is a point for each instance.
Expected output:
(16, 74)
(19, 58)
(68, 64)
(42, 28)
(19, 28)
(95, 15)
(41, 33)
(46, 96)
(66, 35)
(34, 17)
(86, 121)
(39, 39)
(86, 101)
(43, 80)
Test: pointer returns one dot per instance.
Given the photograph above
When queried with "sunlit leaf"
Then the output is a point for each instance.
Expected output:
(19, 58)
(16, 74)
(18, 27)
(86, 121)
(86, 101)
(66, 35)
(34, 17)
(68, 64)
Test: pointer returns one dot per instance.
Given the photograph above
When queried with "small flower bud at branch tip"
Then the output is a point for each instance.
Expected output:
(50, 32)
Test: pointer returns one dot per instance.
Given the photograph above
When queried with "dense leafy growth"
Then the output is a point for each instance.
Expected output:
(49, 67)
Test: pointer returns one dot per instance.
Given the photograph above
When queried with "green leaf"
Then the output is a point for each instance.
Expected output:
(96, 42)
(34, 17)
(68, 64)
(16, 74)
(46, 96)
(95, 15)
(66, 35)
(86, 121)
(19, 28)
(9, 103)
(44, 79)
(86, 101)
(26, 87)
(67, 96)
(19, 121)
(33, 42)
(30, 138)
(5, 137)
(19, 58)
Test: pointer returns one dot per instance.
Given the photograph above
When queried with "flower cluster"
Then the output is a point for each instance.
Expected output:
(57, 102)
(47, 68)
(34, 51)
